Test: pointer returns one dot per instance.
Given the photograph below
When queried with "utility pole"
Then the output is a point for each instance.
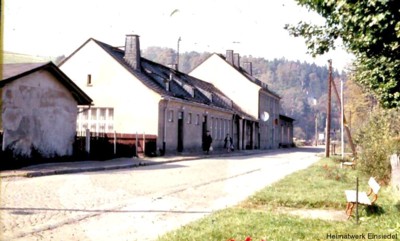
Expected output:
(342, 118)
(328, 114)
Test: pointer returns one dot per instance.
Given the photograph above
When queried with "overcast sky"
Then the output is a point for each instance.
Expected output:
(252, 27)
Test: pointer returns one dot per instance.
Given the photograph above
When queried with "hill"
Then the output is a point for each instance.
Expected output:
(12, 58)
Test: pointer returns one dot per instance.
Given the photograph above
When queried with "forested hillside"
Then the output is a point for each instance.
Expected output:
(302, 86)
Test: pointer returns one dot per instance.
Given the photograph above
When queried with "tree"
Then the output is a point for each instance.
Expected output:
(368, 29)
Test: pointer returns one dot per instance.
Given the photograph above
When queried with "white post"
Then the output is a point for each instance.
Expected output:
(115, 142)
(87, 141)
(342, 117)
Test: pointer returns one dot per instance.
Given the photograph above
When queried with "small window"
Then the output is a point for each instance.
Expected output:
(197, 119)
(189, 118)
(171, 116)
(93, 113)
(89, 80)
(110, 114)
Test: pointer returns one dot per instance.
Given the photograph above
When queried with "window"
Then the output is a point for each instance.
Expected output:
(197, 119)
(189, 119)
(98, 120)
(89, 80)
(102, 114)
(85, 115)
(110, 127)
(171, 116)
(93, 114)
(110, 114)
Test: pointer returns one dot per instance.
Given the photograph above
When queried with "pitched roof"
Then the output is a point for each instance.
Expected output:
(12, 72)
(251, 78)
(181, 86)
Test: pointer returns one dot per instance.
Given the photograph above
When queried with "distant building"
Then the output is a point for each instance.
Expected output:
(135, 95)
(39, 109)
(252, 95)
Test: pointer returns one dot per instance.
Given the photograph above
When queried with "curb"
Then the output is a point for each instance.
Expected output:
(71, 170)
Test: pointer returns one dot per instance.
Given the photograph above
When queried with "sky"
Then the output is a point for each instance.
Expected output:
(251, 27)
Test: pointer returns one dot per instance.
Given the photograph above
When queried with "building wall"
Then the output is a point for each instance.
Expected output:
(233, 84)
(249, 96)
(192, 116)
(38, 113)
(114, 89)
(269, 129)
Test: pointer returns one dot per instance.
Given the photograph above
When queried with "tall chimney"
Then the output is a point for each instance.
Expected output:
(229, 56)
(236, 60)
(132, 51)
(248, 66)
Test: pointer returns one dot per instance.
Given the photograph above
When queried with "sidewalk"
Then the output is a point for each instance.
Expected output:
(117, 163)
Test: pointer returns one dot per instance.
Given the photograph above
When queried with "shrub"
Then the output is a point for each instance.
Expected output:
(377, 140)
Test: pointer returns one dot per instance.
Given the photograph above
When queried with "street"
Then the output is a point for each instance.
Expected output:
(139, 203)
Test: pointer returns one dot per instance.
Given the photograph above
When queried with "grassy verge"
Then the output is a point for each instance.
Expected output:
(319, 187)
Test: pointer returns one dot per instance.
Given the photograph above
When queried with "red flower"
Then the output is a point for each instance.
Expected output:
(248, 239)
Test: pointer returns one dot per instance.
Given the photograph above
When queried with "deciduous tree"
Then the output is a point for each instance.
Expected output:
(368, 29)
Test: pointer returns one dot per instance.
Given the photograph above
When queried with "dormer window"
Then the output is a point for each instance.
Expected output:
(89, 80)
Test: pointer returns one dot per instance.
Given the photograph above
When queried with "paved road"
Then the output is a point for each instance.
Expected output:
(140, 203)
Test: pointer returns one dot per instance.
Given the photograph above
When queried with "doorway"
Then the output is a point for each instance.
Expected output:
(180, 132)
(204, 131)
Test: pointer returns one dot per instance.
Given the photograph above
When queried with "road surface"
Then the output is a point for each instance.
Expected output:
(139, 203)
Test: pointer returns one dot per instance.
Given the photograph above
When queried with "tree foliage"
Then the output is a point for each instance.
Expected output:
(379, 138)
(368, 29)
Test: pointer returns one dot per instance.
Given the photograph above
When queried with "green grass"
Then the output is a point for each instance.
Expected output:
(321, 186)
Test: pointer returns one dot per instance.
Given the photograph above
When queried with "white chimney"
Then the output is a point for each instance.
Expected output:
(132, 51)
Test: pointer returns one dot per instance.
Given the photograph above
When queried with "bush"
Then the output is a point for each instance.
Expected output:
(377, 141)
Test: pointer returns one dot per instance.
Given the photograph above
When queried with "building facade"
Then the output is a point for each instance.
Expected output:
(252, 95)
(39, 110)
(133, 95)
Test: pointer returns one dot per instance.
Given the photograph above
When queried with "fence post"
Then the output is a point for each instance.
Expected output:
(87, 141)
(144, 143)
(115, 142)
(136, 144)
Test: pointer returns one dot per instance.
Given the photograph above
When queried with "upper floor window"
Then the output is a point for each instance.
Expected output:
(89, 80)
(171, 116)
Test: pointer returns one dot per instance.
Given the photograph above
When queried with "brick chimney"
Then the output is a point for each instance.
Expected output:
(229, 56)
(132, 51)
(248, 66)
(236, 60)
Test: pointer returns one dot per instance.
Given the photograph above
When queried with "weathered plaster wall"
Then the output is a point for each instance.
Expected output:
(38, 113)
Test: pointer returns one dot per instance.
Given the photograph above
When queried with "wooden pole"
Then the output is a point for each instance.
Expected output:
(328, 114)
(348, 133)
